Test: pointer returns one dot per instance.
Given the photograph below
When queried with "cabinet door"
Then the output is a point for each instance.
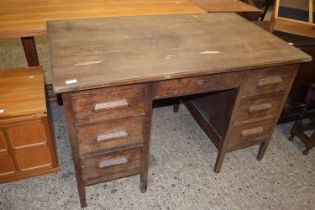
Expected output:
(30, 133)
(33, 157)
(28, 140)
(3, 145)
(6, 165)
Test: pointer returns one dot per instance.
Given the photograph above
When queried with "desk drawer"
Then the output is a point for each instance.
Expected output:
(249, 134)
(112, 165)
(259, 106)
(178, 87)
(108, 103)
(267, 80)
(110, 134)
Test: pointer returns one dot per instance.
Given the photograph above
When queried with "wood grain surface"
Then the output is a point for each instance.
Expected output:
(20, 18)
(21, 92)
(225, 6)
(104, 52)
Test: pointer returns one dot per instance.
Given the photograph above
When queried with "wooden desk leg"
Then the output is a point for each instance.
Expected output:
(147, 135)
(219, 161)
(262, 149)
(30, 51)
(75, 147)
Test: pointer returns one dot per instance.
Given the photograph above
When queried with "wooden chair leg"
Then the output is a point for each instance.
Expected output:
(175, 105)
(293, 131)
(262, 150)
(219, 161)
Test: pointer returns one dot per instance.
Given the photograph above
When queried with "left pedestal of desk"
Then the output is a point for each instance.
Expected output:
(26, 145)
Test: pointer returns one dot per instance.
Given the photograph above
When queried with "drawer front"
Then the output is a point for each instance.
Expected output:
(112, 165)
(3, 145)
(259, 106)
(27, 134)
(249, 134)
(110, 134)
(6, 165)
(268, 80)
(33, 157)
(108, 103)
(177, 87)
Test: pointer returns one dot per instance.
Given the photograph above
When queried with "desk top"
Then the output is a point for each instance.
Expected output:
(225, 6)
(105, 52)
(22, 92)
(21, 18)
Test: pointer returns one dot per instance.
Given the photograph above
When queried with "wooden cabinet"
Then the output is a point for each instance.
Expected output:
(26, 145)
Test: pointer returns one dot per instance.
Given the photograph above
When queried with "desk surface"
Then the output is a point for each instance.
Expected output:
(22, 92)
(20, 18)
(225, 6)
(116, 51)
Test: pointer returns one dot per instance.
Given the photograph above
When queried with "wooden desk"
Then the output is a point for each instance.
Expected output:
(26, 19)
(109, 71)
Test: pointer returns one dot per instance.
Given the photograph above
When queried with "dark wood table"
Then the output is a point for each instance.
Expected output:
(109, 71)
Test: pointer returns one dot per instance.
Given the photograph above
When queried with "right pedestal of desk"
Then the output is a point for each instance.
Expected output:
(243, 117)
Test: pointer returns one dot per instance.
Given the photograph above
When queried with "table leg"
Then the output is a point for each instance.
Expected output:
(147, 136)
(30, 50)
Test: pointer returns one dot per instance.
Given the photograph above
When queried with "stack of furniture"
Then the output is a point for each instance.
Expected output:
(26, 145)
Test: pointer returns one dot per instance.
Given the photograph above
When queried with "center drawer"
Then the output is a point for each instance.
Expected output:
(191, 85)
(110, 134)
(112, 165)
(108, 103)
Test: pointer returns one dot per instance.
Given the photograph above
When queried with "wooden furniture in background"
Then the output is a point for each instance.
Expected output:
(235, 6)
(304, 78)
(299, 127)
(26, 145)
(27, 19)
(108, 89)
(289, 17)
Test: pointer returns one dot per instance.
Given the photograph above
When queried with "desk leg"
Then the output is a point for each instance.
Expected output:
(262, 149)
(75, 148)
(147, 135)
(30, 51)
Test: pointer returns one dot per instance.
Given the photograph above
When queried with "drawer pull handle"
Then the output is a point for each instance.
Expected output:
(112, 135)
(252, 131)
(106, 106)
(269, 81)
(259, 108)
(112, 162)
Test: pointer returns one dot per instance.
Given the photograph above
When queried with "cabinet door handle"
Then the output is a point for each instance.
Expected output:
(112, 135)
(105, 106)
(275, 80)
(112, 162)
(252, 131)
(258, 108)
